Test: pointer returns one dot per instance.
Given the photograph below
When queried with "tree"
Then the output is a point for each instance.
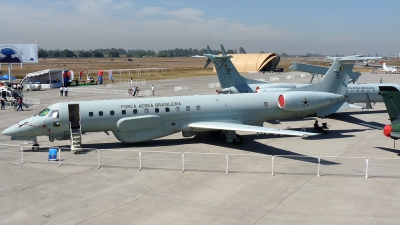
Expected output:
(67, 53)
(96, 54)
(113, 54)
(42, 53)
(85, 54)
(241, 50)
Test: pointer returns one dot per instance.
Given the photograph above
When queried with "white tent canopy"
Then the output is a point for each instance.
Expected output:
(49, 78)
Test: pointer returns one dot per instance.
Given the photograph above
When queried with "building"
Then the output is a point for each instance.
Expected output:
(246, 63)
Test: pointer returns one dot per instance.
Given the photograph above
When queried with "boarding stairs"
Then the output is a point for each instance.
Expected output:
(75, 137)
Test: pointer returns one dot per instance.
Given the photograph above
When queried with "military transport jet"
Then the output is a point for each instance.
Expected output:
(232, 82)
(136, 120)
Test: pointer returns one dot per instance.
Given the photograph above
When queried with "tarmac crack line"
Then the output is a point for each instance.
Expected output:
(279, 203)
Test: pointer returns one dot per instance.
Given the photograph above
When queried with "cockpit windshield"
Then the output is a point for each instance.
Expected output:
(53, 114)
(44, 112)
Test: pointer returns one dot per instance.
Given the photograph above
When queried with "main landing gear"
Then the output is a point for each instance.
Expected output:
(35, 146)
(233, 138)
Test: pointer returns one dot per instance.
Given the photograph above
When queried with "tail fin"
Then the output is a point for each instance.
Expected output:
(227, 73)
(391, 97)
(335, 80)
(384, 66)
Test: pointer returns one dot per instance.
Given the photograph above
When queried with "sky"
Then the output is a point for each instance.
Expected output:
(284, 26)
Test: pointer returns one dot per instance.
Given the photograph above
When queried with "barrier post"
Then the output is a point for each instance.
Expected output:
(59, 157)
(319, 164)
(22, 155)
(227, 164)
(272, 165)
(140, 160)
(183, 162)
(366, 169)
(98, 159)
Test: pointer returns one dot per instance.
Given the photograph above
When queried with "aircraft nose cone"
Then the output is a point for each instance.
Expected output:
(10, 131)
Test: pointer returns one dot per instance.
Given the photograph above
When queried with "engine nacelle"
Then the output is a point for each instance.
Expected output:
(306, 100)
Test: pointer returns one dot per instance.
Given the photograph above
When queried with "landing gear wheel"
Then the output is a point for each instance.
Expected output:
(35, 147)
(237, 140)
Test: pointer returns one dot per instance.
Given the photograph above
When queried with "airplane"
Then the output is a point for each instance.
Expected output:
(391, 97)
(391, 69)
(137, 120)
(232, 83)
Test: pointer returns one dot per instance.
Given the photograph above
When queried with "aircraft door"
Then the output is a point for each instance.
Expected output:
(74, 117)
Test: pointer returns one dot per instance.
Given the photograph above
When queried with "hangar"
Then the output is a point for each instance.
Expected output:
(254, 62)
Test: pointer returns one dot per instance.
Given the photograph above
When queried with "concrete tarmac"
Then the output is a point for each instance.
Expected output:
(41, 192)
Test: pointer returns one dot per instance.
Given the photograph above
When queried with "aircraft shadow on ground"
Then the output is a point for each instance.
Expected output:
(252, 146)
(347, 117)
(396, 151)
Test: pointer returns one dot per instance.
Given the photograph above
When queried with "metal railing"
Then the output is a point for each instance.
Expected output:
(194, 161)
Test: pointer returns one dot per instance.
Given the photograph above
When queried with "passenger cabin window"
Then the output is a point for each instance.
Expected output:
(187, 108)
(177, 109)
(100, 113)
(123, 112)
(112, 113)
(90, 114)
(146, 110)
(167, 109)
(135, 111)
(157, 110)
(53, 114)
(198, 107)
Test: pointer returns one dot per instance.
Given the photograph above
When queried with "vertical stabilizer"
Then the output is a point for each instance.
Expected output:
(335, 80)
(227, 73)
(391, 97)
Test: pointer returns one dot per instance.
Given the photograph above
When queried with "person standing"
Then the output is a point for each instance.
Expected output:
(137, 91)
(152, 90)
(66, 91)
(3, 104)
(131, 81)
(134, 91)
(20, 104)
(61, 91)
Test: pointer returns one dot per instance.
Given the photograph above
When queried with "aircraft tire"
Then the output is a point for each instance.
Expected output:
(238, 140)
(35, 147)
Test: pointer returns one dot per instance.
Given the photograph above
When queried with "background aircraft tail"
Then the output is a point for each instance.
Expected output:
(335, 80)
(226, 71)
(391, 97)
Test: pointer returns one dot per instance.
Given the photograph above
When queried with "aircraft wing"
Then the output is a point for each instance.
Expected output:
(242, 127)
(395, 135)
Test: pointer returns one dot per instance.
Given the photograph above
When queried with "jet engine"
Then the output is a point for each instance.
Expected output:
(305, 100)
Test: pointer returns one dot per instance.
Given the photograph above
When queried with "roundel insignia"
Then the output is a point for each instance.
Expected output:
(305, 102)
(281, 101)
(56, 123)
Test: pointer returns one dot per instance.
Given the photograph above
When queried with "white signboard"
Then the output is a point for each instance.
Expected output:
(18, 53)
